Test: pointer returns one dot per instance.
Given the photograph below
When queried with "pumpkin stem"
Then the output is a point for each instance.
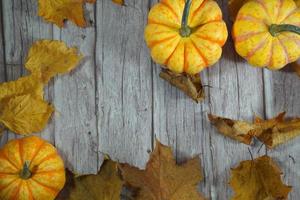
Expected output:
(25, 172)
(185, 30)
(275, 29)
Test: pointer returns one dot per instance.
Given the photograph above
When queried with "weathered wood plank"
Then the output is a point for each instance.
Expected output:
(76, 133)
(124, 82)
(22, 27)
(282, 94)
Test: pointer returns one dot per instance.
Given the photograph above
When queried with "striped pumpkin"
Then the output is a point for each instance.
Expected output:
(30, 168)
(266, 33)
(186, 36)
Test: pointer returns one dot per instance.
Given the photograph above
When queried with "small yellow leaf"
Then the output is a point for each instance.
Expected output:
(58, 11)
(106, 185)
(25, 85)
(49, 58)
(25, 114)
(258, 179)
(163, 178)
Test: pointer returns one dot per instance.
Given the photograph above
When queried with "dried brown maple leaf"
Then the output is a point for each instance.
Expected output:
(25, 114)
(106, 185)
(58, 11)
(163, 179)
(49, 58)
(271, 132)
(257, 180)
(296, 66)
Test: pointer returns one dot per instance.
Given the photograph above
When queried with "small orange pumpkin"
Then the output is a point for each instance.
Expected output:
(30, 168)
(186, 36)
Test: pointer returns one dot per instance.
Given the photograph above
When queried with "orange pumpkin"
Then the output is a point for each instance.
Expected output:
(186, 36)
(267, 33)
(30, 168)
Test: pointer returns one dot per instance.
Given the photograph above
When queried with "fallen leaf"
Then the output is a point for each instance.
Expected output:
(120, 2)
(238, 130)
(49, 58)
(271, 132)
(296, 66)
(234, 7)
(163, 179)
(25, 85)
(297, 2)
(24, 114)
(106, 185)
(257, 180)
(58, 11)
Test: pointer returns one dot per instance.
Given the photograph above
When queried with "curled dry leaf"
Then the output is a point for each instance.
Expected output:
(238, 130)
(106, 185)
(163, 179)
(258, 179)
(25, 114)
(49, 58)
(271, 132)
(58, 11)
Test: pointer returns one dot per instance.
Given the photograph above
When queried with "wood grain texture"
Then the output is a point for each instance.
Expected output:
(115, 103)
(124, 79)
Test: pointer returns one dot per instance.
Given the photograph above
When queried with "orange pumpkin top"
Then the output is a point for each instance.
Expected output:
(265, 33)
(30, 168)
(186, 36)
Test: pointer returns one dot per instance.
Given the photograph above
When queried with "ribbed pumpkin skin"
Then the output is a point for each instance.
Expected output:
(253, 40)
(46, 166)
(186, 54)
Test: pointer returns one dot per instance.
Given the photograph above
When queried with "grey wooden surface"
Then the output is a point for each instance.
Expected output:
(116, 104)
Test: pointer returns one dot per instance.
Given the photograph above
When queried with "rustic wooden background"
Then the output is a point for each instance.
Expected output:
(115, 103)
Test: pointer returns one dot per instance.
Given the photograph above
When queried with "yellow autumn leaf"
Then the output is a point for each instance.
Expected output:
(25, 85)
(106, 185)
(25, 114)
(49, 58)
(163, 178)
(58, 11)
(258, 179)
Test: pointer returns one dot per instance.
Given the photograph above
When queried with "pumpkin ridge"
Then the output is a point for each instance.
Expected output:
(53, 155)
(48, 188)
(270, 62)
(285, 50)
(17, 190)
(37, 152)
(290, 14)
(168, 59)
(10, 183)
(263, 5)
(29, 191)
(154, 43)
(50, 171)
(20, 144)
(279, 10)
(151, 21)
(9, 161)
(295, 39)
(250, 18)
(256, 48)
(185, 60)
(171, 9)
(207, 38)
(197, 10)
(244, 37)
(200, 53)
